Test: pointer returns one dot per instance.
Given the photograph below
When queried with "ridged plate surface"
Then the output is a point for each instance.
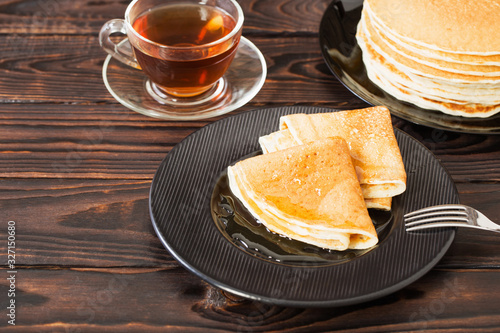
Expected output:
(180, 211)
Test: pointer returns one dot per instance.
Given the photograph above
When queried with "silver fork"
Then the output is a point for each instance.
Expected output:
(448, 216)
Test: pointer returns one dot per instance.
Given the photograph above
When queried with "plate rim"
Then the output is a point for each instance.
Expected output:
(286, 302)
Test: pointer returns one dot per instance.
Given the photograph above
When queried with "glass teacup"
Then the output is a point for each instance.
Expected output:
(184, 48)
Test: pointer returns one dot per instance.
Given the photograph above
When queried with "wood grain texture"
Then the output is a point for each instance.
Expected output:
(171, 299)
(76, 168)
(106, 223)
(82, 223)
(67, 17)
(68, 70)
(109, 141)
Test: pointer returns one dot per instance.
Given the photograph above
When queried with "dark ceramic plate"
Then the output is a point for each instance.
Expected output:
(208, 234)
(343, 56)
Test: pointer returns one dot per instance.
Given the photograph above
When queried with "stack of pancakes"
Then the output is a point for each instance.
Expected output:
(318, 175)
(441, 55)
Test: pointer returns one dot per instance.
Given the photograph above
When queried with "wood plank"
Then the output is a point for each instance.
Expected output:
(68, 141)
(76, 167)
(123, 300)
(67, 70)
(468, 157)
(106, 223)
(82, 223)
(99, 140)
(87, 17)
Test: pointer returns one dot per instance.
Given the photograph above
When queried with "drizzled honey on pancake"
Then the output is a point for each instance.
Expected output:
(308, 192)
(373, 147)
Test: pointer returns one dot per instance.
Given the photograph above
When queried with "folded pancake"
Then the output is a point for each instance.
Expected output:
(369, 133)
(379, 203)
(308, 192)
(276, 141)
(283, 139)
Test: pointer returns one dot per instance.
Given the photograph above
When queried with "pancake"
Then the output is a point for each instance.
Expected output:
(419, 52)
(379, 203)
(417, 63)
(373, 146)
(307, 192)
(276, 141)
(452, 26)
(389, 83)
(283, 139)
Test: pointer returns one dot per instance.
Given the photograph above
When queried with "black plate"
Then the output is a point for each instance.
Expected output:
(343, 56)
(180, 208)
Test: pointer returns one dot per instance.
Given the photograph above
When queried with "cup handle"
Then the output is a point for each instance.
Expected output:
(121, 51)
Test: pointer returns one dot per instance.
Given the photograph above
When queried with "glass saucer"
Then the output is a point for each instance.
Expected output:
(243, 80)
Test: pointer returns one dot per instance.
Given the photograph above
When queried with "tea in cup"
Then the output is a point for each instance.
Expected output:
(183, 47)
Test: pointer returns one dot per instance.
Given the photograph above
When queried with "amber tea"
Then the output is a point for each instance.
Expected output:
(184, 26)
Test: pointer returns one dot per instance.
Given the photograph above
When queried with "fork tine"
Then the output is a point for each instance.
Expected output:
(434, 208)
(436, 225)
(440, 219)
(448, 213)
(448, 216)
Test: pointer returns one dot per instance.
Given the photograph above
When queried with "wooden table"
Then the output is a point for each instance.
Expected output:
(76, 168)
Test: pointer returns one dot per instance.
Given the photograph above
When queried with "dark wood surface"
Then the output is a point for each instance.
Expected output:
(76, 167)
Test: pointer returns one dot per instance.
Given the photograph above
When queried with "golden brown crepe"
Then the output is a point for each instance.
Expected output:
(379, 203)
(283, 139)
(307, 192)
(373, 147)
